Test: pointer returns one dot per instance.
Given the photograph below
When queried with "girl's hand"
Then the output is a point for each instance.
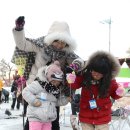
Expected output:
(69, 99)
(37, 103)
(71, 77)
(120, 91)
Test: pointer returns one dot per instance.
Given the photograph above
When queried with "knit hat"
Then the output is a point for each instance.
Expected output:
(54, 72)
(60, 31)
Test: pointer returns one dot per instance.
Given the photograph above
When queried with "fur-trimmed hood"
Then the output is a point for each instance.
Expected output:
(113, 61)
(60, 31)
(41, 74)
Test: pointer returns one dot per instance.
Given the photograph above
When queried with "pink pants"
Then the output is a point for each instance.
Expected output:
(35, 125)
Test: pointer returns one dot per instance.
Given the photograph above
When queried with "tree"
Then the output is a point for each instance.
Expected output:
(5, 71)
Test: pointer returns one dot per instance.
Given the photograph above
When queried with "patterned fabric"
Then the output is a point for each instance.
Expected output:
(39, 42)
(49, 87)
(54, 54)
(50, 51)
(29, 57)
(49, 55)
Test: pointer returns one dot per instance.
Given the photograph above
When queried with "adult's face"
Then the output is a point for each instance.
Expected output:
(59, 44)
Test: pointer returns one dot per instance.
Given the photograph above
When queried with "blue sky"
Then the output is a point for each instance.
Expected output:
(83, 16)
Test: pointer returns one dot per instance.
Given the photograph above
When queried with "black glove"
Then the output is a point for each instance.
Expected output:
(69, 69)
(76, 98)
(19, 23)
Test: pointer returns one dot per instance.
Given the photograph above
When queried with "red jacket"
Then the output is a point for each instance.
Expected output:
(101, 114)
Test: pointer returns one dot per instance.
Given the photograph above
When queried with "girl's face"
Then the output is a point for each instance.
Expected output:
(55, 83)
(59, 44)
(96, 75)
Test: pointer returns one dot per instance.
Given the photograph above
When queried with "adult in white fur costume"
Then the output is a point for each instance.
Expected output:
(56, 45)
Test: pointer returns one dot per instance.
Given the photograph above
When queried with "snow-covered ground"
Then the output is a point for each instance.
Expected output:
(15, 121)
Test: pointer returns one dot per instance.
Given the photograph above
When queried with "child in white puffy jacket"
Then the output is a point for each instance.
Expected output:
(43, 95)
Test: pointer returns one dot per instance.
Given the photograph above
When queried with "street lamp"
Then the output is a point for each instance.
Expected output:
(108, 21)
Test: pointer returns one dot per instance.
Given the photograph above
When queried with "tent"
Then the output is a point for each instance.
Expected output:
(124, 76)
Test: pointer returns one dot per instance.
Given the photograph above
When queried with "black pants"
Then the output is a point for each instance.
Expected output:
(25, 104)
(14, 102)
(6, 98)
(73, 109)
(26, 126)
(55, 124)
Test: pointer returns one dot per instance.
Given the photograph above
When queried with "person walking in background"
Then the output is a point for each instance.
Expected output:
(6, 95)
(98, 85)
(1, 86)
(43, 95)
(56, 45)
(14, 89)
(21, 82)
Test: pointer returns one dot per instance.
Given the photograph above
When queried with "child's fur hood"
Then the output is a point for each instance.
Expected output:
(113, 60)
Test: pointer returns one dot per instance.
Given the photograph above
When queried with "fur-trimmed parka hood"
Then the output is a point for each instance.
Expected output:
(60, 31)
(107, 57)
(41, 74)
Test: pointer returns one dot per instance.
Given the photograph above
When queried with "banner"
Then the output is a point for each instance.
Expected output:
(20, 62)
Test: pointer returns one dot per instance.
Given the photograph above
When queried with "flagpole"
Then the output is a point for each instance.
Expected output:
(109, 22)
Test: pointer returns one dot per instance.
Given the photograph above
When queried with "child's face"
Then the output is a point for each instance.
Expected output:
(55, 83)
(96, 75)
(59, 45)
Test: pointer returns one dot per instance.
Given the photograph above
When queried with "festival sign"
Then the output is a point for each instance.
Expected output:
(20, 62)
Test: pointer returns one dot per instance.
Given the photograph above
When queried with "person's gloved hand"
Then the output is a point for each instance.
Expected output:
(120, 91)
(19, 23)
(71, 77)
(71, 68)
(74, 66)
